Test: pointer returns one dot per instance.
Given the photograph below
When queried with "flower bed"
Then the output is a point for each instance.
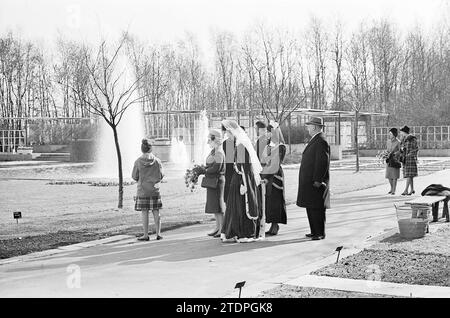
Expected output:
(424, 261)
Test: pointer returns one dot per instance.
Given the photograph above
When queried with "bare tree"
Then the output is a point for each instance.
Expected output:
(226, 67)
(274, 71)
(70, 71)
(110, 94)
(337, 52)
(358, 60)
(316, 48)
(385, 53)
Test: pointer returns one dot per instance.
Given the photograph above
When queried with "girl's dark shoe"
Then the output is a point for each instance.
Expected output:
(213, 233)
(412, 192)
(217, 234)
(405, 193)
(159, 237)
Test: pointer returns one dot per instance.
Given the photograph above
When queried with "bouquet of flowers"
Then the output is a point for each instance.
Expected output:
(382, 156)
(191, 176)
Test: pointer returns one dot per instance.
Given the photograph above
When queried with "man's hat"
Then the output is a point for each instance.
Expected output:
(318, 121)
(405, 129)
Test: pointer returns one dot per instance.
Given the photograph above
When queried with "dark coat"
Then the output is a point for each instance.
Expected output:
(436, 189)
(409, 150)
(315, 166)
(228, 147)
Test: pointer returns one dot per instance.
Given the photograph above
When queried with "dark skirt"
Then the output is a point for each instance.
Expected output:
(229, 171)
(148, 203)
(214, 198)
(235, 222)
(275, 201)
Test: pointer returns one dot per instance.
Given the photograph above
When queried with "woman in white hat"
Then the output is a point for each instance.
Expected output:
(214, 180)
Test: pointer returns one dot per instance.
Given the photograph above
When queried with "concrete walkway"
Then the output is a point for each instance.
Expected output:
(371, 287)
(187, 263)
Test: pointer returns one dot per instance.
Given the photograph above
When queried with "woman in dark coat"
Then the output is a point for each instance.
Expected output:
(409, 150)
(228, 146)
(215, 169)
(271, 160)
(242, 206)
(392, 164)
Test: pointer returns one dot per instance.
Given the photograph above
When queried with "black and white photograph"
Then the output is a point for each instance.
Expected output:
(224, 154)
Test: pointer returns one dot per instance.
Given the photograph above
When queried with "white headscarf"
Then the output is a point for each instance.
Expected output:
(277, 135)
(242, 138)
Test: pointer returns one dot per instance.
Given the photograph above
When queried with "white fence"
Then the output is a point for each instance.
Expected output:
(428, 137)
(10, 140)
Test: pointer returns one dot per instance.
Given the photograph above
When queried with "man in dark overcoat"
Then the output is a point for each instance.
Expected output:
(314, 178)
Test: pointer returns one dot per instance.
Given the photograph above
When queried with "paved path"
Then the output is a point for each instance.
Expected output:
(187, 263)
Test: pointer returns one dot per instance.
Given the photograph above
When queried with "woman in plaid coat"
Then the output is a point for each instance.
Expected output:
(409, 150)
(148, 173)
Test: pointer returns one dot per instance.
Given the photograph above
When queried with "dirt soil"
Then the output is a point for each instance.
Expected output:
(288, 291)
(423, 261)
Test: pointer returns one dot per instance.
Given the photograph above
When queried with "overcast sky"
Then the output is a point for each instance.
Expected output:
(166, 20)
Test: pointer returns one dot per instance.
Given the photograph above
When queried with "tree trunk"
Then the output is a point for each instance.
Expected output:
(356, 141)
(119, 165)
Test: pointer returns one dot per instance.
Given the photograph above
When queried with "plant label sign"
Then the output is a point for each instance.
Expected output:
(17, 215)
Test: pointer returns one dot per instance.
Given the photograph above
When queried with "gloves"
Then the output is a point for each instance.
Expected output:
(243, 189)
(317, 184)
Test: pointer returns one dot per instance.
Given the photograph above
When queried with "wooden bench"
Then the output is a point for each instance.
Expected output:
(433, 202)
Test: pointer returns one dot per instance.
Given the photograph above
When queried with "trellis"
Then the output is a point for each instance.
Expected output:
(428, 137)
(11, 136)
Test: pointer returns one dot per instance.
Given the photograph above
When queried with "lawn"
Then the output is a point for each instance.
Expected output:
(64, 200)
(47, 207)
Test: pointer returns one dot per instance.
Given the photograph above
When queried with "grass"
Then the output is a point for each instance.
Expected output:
(60, 199)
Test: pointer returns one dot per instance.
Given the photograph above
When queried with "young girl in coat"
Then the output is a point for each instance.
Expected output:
(148, 173)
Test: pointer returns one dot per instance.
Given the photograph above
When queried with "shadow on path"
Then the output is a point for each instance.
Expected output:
(172, 250)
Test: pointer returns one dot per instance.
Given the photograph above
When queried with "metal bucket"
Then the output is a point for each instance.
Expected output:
(403, 211)
(412, 228)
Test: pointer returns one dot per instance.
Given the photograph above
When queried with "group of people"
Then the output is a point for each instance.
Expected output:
(239, 166)
(245, 182)
(250, 187)
(401, 153)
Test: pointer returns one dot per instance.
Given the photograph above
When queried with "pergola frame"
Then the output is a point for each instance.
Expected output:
(252, 114)
(337, 115)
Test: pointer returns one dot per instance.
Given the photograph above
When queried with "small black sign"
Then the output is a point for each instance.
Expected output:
(240, 285)
(17, 215)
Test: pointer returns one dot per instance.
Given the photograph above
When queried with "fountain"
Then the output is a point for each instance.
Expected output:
(201, 148)
(130, 131)
(178, 153)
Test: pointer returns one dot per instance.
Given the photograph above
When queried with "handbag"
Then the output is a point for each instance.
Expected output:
(393, 162)
(210, 182)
